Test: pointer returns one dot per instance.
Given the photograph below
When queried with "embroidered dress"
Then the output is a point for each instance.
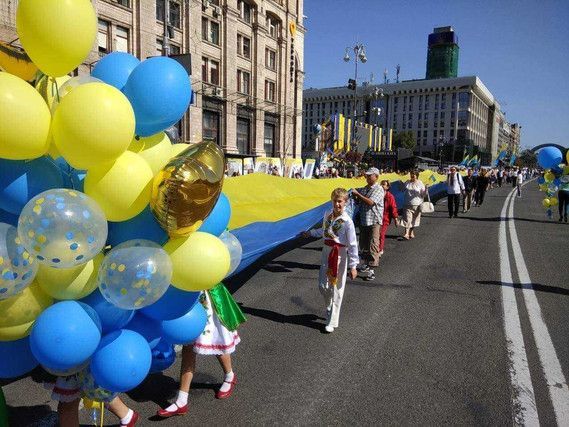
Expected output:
(340, 251)
(64, 389)
(223, 317)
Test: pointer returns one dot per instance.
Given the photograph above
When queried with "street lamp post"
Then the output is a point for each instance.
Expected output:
(359, 55)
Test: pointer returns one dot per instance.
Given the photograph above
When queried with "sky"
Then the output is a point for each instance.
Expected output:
(518, 48)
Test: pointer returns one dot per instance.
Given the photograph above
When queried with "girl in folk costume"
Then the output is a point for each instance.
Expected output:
(340, 253)
(218, 338)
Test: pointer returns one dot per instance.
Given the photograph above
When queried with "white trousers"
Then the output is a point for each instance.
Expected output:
(333, 294)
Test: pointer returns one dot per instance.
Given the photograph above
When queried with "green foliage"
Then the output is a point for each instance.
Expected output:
(527, 158)
(405, 139)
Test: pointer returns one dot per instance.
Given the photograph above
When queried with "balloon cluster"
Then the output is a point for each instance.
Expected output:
(108, 232)
(556, 176)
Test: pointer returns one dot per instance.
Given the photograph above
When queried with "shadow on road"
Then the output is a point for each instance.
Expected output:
(28, 416)
(535, 286)
(287, 266)
(307, 320)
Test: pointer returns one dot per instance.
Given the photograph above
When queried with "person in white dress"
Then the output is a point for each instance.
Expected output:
(339, 254)
(415, 192)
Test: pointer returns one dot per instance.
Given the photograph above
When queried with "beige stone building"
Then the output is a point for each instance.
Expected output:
(247, 62)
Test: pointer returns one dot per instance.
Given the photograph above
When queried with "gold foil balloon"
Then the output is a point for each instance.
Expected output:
(186, 189)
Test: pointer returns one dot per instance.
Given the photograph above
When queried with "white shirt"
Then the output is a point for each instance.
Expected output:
(341, 230)
(456, 185)
(520, 178)
(414, 193)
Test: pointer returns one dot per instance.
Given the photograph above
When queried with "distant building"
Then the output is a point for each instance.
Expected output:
(247, 63)
(442, 54)
(449, 117)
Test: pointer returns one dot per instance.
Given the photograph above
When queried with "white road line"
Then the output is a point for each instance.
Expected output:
(556, 383)
(523, 398)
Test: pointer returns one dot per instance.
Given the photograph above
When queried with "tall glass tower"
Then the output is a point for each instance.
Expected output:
(442, 55)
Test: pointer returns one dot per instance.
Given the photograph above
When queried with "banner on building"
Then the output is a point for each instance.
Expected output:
(309, 168)
(234, 166)
(269, 165)
(292, 167)
(248, 165)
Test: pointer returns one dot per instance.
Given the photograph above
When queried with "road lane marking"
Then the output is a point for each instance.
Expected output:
(556, 382)
(523, 397)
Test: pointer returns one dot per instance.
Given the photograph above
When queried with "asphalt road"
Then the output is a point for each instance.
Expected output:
(425, 344)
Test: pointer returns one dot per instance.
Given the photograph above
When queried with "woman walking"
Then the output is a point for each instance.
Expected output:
(415, 192)
(482, 183)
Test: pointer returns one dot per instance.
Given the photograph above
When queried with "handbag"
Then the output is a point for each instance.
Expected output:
(427, 207)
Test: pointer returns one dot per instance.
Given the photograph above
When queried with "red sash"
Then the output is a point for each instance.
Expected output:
(332, 271)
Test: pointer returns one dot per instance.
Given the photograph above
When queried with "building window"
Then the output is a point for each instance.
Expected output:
(175, 12)
(103, 35)
(245, 10)
(464, 99)
(210, 71)
(426, 102)
(210, 31)
(269, 141)
(271, 59)
(411, 103)
(122, 39)
(174, 48)
(273, 26)
(270, 91)
(210, 121)
(125, 3)
(243, 82)
(243, 135)
(243, 46)
(462, 118)
(442, 122)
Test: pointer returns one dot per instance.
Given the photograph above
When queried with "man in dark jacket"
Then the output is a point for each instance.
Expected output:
(468, 189)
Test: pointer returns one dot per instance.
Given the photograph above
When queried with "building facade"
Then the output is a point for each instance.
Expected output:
(247, 63)
(440, 113)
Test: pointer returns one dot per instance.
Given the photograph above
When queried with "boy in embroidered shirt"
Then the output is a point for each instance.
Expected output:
(339, 254)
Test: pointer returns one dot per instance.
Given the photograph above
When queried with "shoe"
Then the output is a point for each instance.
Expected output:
(133, 420)
(380, 253)
(464, 211)
(329, 329)
(225, 394)
(363, 269)
(370, 276)
(560, 218)
(565, 220)
(182, 410)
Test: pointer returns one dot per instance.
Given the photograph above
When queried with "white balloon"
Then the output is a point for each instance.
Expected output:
(235, 250)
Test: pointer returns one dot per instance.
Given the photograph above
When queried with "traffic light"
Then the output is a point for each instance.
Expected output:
(352, 84)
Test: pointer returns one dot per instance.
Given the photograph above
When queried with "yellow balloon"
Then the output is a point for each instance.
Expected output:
(122, 188)
(56, 34)
(93, 124)
(200, 261)
(566, 168)
(18, 313)
(69, 283)
(546, 203)
(24, 120)
(48, 88)
(549, 176)
(542, 187)
(553, 201)
(155, 149)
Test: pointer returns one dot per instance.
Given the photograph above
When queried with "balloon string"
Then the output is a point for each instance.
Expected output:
(56, 89)
(102, 413)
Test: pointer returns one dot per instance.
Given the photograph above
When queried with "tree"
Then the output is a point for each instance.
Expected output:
(527, 158)
(405, 139)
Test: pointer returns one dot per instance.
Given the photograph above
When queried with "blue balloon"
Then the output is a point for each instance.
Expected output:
(549, 157)
(17, 358)
(185, 329)
(159, 91)
(541, 180)
(148, 328)
(173, 304)
(143, 226)
(21, 180)
(115, 68)
(122, 361)
(557, 182)
(218, 219)
(111, 316)
(8, 218)
(65, 335)
(163, 356)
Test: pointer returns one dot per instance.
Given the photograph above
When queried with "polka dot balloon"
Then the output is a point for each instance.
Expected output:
(62, 228)
(17, 267)
(135, 274)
